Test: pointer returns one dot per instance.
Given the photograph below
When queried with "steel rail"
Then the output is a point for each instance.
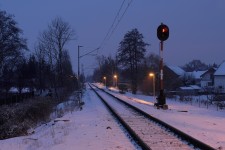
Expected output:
(138, 140)
(191, 140)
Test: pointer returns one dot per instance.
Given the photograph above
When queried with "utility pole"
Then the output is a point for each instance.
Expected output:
(78, 58)
(78, 71)
(78, 76)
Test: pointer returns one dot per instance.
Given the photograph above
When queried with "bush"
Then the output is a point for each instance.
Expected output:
(16, 119)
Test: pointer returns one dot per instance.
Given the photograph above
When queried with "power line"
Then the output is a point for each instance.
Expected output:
(117, 15)
(121, 18)
(88, 53)
(111, 29)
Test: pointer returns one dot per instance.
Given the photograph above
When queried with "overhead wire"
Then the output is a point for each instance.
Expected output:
(117, 15)
(111, 30)
(112, 27)
(121, 18)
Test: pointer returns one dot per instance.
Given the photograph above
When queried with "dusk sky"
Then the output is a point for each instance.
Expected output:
(197, 27)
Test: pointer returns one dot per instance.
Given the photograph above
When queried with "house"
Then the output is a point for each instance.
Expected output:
(207, 78)
(195, 77)
(172, 77)
(219, 79)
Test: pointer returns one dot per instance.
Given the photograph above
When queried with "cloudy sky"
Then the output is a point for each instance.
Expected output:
(197, 27)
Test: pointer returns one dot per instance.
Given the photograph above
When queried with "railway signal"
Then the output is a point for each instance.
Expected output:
(162, 34)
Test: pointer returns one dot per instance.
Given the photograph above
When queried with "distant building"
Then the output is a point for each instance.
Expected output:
(196, 77)
(207, 78)
(172, 77)
(219, 78)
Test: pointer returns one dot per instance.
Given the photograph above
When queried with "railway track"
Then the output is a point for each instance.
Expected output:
(149, 132)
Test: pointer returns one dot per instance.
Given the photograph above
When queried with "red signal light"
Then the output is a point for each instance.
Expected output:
(163, 32)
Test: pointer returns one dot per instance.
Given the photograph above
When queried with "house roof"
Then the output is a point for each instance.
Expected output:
(196, 74)
(210, 70)
(177, 70)
(190, 87)
(221, 70)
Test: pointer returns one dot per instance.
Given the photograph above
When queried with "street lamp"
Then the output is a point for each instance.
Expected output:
(153, 83)
(115, 77)
(105, 80)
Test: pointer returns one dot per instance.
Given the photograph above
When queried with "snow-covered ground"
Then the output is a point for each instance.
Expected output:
(94, 128)
(207, 125)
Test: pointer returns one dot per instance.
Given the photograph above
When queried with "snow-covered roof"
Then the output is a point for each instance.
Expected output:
(196, 74)
(221, 70)
(196, 87)
(190, 87)
(177, 70)
(185, 88)
(13, 90)
(16, 90)
(210, 71)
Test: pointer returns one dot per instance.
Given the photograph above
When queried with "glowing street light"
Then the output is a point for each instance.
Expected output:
(153, 83)
(104, 80)
(115, 77)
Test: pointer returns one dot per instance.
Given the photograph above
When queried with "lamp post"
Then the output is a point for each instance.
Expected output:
(115, 77)
(153, 83)
(105, 80)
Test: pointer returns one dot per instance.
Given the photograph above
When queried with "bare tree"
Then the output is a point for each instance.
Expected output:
(52, 42)
(195, 65)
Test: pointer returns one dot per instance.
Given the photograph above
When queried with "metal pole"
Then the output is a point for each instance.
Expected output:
(78, 67)
(153, 87)
(161, 65)
(161, 98)
(116, 82)
(78, 71)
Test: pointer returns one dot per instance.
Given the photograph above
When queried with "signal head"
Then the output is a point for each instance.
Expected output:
(163, 32)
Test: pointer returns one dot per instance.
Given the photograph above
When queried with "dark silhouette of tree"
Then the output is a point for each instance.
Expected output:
(195, 65)
(42, 67)
(107, 67)
(130, 53)
(12, 46)
(11, 42)
(149, 65)
(51, 50)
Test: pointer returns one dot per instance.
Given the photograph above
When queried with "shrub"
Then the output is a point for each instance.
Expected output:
(16, 119)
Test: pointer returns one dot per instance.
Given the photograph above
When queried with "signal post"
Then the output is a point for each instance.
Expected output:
(162, 34)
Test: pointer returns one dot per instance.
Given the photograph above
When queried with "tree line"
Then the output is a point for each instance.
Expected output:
(132, 66)
(48, 67)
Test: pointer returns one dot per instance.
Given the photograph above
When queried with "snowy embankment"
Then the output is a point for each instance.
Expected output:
(92, 128)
